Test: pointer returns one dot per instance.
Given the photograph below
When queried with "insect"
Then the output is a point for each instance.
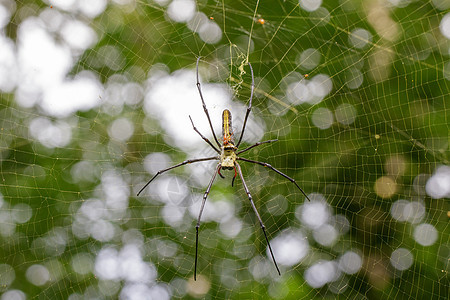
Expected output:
(227, 155)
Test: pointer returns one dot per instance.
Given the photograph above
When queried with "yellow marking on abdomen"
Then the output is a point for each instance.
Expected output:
(226, 124)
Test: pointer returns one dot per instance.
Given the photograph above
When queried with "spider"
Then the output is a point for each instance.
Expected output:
(227, 155)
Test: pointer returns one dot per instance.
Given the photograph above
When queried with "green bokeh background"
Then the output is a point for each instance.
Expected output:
(404, 113)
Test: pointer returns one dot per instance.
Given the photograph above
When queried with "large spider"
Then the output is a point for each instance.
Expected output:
(227, 157)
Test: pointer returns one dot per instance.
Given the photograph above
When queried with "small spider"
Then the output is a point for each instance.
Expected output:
(227, 157)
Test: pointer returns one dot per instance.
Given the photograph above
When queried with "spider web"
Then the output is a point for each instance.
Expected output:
(96, 98)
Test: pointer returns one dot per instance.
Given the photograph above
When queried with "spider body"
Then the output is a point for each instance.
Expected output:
(228, 157)
(228, 149)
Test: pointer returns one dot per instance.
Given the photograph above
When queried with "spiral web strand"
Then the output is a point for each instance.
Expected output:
(98, 96)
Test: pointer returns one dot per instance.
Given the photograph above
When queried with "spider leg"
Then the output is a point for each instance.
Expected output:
(279, 172)
(255, 145)
(176, 166)
(249, 108)
(218, 172)
(200, 215)
(204, 138)
(204, 105)
(234, 177)
(257, 214)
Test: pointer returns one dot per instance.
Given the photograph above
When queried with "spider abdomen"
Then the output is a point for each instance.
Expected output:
(228, 153)
(227, 128)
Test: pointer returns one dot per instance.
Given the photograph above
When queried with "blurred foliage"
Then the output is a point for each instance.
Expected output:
(404, 111)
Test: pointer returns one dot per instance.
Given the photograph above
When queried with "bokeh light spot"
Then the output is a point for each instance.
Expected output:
(210, 32)
(200, 287)
(350, 262)
(438, 186)
(156, 161)
(354, 78)
(121, 129)
(309, 59)
(321, 273)
(315, 213)
(441, 4)
(359, 38)
(13, 295)
(425, 234)
(50, 134)
(322, 118)
(397, 210)
(82, 263)
(21, 213)
(38, 275)
(181, 10)
(345, 114)
(7, 276)
(385, 187)
(444, 26)
(91, 8)
(401, 259)
(310, 5)
(290, 248)
(395, 165)
(326, 235)
(414, 212)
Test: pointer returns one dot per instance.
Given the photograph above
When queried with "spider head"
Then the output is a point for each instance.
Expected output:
(228, 148)
(227, 140)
